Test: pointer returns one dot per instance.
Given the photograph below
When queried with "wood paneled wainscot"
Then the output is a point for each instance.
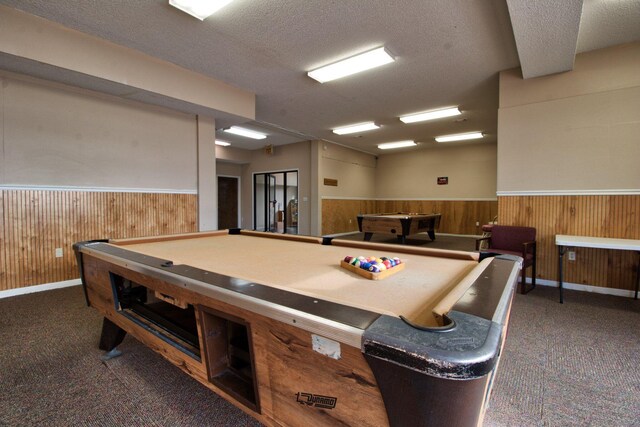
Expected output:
(614, 216)
(458, 216)
(36, 222)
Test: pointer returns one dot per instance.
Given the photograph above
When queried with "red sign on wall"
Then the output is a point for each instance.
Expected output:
(443, 180)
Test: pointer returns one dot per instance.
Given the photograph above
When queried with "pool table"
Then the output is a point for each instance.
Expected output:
(402, 224)
(276, 326)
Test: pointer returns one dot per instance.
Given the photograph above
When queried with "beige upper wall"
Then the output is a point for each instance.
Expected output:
(52, 135)
(471, 169)
(233, 155)
(354, 170)
(600, 70)
(207, 184)
(577, 132)
(228, 169)
(37, 39)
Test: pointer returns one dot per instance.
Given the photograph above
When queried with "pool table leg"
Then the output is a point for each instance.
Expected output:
(432, 234)
(111, 336)
(367, 236)
(448, 403)
(402, 238)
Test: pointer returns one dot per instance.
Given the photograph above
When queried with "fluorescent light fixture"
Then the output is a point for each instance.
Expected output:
(430, 115)
(200, 9)
(459, 137)
(222, 143)
(398, 144)
(245, 132)
(355, 64)
(360, 127)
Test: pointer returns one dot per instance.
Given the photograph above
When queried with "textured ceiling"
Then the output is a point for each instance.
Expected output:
(448, 52)
(539, 25)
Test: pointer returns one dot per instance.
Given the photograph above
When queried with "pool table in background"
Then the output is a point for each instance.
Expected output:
(273, 324)
(401, 224)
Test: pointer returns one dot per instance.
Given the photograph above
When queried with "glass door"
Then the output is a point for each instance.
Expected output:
(275, 201)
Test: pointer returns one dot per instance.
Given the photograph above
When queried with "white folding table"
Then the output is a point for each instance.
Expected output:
(563, 242)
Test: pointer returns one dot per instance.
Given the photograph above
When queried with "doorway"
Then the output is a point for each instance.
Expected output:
(228, 201)
(275, 202)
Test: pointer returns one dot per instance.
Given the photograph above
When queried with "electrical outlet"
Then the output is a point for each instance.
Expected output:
(572, 255)
(477, 223)
(58, 252)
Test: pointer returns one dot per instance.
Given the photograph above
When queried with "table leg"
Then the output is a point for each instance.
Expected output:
(561, 250)
(367, 236)
(111, 336)
(432, 234)
(402, 238)
(637, 276)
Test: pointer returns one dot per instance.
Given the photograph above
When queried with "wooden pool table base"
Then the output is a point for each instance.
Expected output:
(402, 238)
(384, 368)
(400, 224)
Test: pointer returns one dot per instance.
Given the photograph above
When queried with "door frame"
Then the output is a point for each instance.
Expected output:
(253, 190)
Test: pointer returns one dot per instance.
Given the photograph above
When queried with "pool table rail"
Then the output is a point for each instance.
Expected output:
(336, 321)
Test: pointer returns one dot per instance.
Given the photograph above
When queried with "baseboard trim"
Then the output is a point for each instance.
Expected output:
(347, 233)
(471, 236)
(585, 288)
(39, 288)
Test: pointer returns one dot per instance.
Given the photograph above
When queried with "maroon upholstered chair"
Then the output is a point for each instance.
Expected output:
(512, 240)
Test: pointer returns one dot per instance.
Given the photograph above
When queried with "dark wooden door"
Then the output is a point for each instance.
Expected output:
(227, 202)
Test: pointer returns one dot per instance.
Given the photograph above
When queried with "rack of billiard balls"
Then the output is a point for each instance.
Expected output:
(372, 267)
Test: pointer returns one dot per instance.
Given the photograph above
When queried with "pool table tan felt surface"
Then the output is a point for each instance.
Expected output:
(315, 271)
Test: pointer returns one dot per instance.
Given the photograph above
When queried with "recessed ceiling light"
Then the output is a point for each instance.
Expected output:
(222, 143)
(200, 9)
(355, 64)
(430, 115)
(360, 127)
(459, 137)
(245, 132)
(398, 144)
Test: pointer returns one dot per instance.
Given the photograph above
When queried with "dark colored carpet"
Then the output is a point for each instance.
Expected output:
(574, 364)
(51, 373)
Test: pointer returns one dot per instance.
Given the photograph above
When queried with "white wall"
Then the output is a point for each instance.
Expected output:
(36, 39)
(228, 169)
(354, 170)
(53, 135)
(232, 155)
(471, 169)
(207, 184)
(575, 132)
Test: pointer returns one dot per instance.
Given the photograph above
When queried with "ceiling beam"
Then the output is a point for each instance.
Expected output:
(546, 34)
